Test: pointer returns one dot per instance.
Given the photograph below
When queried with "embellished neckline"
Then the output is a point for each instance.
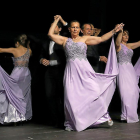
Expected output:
(77, 42)
(126, 46)
(75, 38)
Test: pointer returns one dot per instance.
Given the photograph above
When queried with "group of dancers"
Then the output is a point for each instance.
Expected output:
(87, 94)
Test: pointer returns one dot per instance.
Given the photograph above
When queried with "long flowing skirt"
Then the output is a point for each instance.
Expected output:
(127, 82)
(88, 94)
(15, 95)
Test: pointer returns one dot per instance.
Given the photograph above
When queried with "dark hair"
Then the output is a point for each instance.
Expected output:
(84, 25)
(22, 39)
(74, 21)
(126, 32)
(59, 24)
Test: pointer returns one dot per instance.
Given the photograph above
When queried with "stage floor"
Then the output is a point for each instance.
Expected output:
(36, 131)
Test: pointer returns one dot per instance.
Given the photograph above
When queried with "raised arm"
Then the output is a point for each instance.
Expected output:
(56, 38)
(62, 20)
(134, 45)
(118, 41)
(93, 40)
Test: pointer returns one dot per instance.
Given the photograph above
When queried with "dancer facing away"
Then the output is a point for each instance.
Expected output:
(15, 93)
(127, 79)
(87, 94)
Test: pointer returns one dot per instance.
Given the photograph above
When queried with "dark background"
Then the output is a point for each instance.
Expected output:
(34, 19)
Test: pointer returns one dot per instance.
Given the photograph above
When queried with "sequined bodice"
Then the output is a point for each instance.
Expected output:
(124, 55)
(75, 50)
(23, 60)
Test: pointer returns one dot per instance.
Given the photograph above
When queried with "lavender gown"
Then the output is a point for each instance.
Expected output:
(87, 94)
(15, 93)
(127, 82)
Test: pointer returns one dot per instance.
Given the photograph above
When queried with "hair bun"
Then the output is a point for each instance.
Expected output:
(23, 38)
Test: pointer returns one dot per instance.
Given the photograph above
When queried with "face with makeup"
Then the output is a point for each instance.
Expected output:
(74, 28)
(125, 36)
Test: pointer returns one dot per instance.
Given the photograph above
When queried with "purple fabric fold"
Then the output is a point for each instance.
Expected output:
(13, 92)
(15, 89)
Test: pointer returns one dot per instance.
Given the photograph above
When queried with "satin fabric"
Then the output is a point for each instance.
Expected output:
(127, 82)
(87, 94)
(15, 92)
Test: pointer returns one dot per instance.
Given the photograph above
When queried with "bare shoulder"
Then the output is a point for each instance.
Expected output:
(118, 48)
(89, 37)
(83, 38)
(92, 40)
(30, 51)
(65, 41)
(130, 45)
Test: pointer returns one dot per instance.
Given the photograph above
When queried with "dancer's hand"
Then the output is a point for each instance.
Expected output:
(45, 62)
(103, 59)
(118, 27)
(61, 19)
(57, 17)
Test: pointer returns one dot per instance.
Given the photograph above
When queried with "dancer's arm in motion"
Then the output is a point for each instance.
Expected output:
(8, 50)
(118, 40)
(56, 38)
(134, 45)
(123, 37)
(93, 40)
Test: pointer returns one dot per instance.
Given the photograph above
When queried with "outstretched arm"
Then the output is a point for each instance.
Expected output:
(56, 38)
(93, 40)
(7, 50)
(134, 45)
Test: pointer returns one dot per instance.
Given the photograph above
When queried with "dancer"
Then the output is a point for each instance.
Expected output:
(87, 94)
(127, 79)
(53, 57)
(15, 93)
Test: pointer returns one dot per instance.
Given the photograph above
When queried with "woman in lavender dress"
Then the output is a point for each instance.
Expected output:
(127, 79)
(87, 94)
(15, 93)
